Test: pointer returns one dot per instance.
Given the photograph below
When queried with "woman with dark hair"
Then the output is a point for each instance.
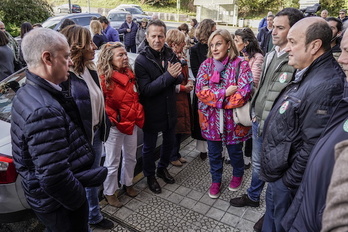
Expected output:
(65, 23)
(7, 57)
(25, 28)
(198, 54)
(83, 85)
(192, 32)
(248, 46)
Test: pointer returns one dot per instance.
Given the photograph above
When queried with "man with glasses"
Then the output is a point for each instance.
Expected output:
(129, 29)
(343, 15)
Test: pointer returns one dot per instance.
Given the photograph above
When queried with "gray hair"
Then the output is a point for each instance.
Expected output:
(38, 41)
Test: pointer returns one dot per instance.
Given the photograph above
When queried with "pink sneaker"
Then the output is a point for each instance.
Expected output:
(235, 183)
(214, 190)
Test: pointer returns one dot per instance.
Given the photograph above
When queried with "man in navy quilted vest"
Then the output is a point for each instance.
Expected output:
(49, 148)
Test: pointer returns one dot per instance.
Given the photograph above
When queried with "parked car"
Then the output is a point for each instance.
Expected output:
(13, 204)
(65, 8)
(82, 19)
(130, 5)
(117, 17)
(137, 14)
(12, 199)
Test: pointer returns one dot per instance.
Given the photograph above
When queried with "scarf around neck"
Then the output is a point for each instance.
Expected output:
(218, 68)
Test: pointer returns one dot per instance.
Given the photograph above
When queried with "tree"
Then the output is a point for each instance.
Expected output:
(14, 13)
(333, 6)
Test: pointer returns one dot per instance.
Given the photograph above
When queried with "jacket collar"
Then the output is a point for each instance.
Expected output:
(316, 63)
(33, 79)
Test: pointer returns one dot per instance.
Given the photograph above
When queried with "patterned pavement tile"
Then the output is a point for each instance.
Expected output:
(185, 205)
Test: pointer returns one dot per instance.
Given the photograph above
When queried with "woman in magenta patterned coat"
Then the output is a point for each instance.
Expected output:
(218, 93)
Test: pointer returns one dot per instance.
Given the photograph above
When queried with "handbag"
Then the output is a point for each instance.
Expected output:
(241, 115)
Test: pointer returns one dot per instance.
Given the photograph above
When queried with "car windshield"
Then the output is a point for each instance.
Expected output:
(134, 10)
(117, 16)
(7, 92)
(51, 23)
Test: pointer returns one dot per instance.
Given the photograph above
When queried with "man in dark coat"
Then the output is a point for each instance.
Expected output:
(50, 150)
(158, 70)
(265, 35)
(306, 210)
(299, 115)
(129, 29)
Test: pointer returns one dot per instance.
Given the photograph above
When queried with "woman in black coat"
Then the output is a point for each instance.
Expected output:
(198, 54)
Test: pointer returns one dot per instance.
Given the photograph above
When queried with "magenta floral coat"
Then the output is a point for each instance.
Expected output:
(215, 109)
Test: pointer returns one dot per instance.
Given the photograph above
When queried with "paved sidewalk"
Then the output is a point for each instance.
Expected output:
(185, 205)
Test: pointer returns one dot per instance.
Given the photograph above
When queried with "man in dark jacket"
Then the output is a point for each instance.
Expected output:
(158, 70)
(129, 29)
(276, 75)
(50, 150)
(306, 210)
(265, 35)
(336, 26)
(299, 115)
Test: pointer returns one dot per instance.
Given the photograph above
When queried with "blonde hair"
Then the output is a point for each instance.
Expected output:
(225, 34)
(79, 39)
(174, 36)
(104, 64)
(96, 27)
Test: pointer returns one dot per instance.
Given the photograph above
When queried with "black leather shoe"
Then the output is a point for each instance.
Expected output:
(164, 174)
(244, 200)
(153, 184)
(258, 225)
(203, 155)
(104, 224)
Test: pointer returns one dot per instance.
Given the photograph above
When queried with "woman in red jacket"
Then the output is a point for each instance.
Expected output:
(126, 115)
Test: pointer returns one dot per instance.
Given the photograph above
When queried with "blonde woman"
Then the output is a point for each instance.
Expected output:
(98, 36)
(224, 82)
(126, 115)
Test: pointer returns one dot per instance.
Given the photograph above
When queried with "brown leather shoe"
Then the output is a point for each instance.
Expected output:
(113, 200)
(176, 163)
(130, 190)
(183, 160)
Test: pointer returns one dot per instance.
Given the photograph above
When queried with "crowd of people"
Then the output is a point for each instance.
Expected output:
(185, 81)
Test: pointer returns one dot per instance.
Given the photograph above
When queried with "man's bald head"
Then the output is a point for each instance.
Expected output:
(308, 39)
(313, 28)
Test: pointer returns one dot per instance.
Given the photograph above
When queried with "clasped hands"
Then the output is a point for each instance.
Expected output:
(174, 69)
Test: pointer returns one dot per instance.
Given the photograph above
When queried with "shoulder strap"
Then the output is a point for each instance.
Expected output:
(237, 71)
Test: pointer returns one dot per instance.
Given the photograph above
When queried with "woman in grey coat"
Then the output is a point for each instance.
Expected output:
(141, 33)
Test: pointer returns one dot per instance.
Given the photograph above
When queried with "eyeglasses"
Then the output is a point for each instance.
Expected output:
(339, 13)
(2, 28)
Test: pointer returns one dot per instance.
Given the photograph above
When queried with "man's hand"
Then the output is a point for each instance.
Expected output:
(174, 69)
(231, 90)
(128, 30)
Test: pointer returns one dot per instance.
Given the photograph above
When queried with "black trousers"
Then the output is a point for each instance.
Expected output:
(64, 220)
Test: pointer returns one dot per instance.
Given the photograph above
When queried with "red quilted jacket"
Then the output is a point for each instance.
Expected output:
(122, 101)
